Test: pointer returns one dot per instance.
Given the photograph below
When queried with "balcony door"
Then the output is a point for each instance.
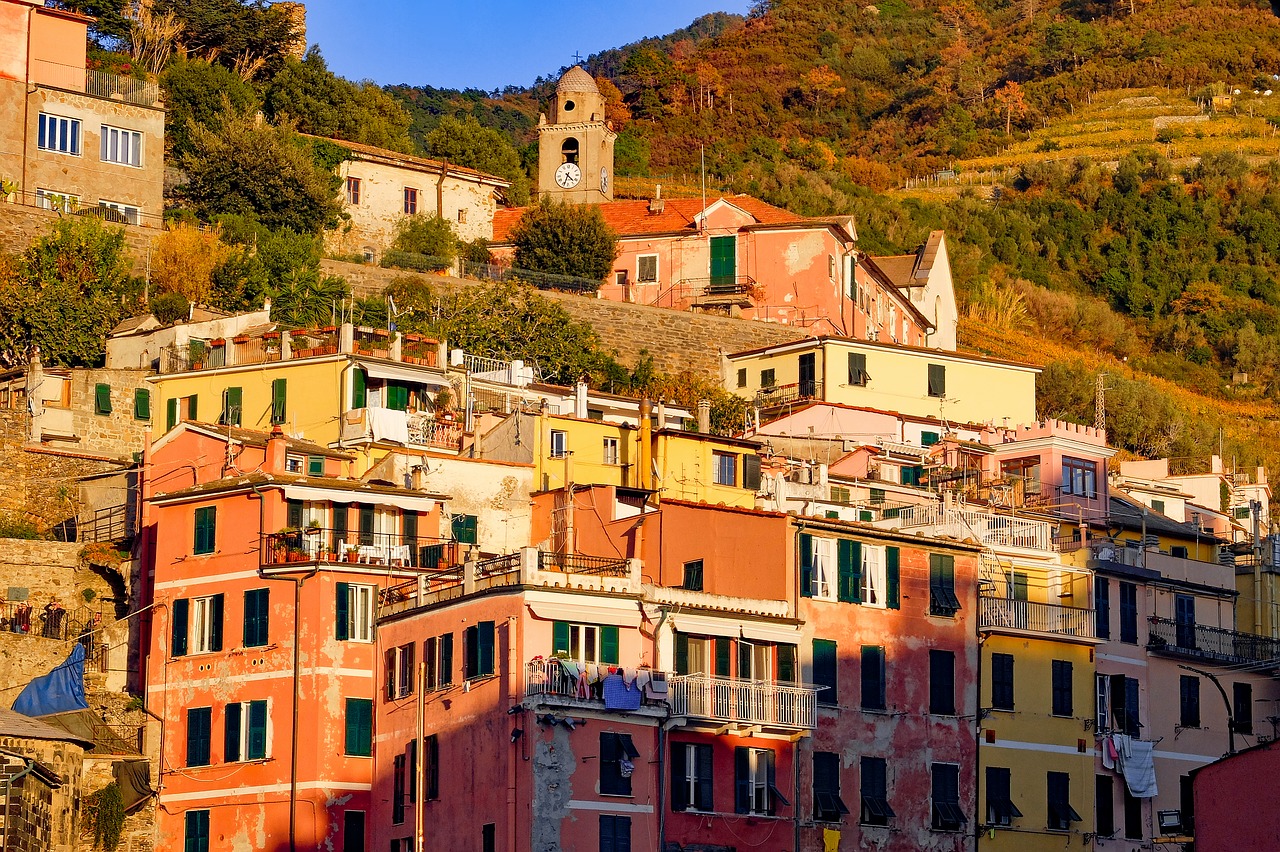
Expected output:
(808, 375)
(1184, 616)
(724, 263)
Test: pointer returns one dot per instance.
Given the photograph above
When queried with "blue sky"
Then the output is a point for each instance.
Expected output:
(484, 44)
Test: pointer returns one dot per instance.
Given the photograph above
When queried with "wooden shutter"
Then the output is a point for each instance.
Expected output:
(824, 670)
(560, 637)
(215, 622)
(446, 660)
(806, 565)
(342, 614)
(937, 380)
(682, 653)
(742, 780)
(358, 389)
(142, 404)
(857, 368)
(102, 398)
(432, 757)
(849, 571)
(293, 511)
(257, 745)
(389, 670)
(179, 614)
(787, 663)
(893, 578)
(170, 414)
(679, 784)
(705, 800)
(279, 404)
(751, 472)
(723, 655)
(231, 736)
(609, 644)
(485, 636)
(744, 659)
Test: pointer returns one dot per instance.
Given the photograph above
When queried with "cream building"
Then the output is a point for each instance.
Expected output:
(575, 150)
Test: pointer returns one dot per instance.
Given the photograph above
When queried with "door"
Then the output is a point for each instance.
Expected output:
(1184, 613)
(724, 264)
(808, 375)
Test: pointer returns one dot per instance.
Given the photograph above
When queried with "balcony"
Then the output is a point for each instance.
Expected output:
(1213, 644)
(733, 702)
(781, 395)
(419, 428)
(271, 347)
(991, 529)
(560, 681)
(351, 548)
(99, 84)
(719, 291)
(1000, 614)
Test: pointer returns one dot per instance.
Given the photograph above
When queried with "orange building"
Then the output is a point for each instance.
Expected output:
(260, 648)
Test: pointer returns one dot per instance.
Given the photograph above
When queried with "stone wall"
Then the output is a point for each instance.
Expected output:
(677, 340)
(46, 820)
(69, 415)
(20, 226)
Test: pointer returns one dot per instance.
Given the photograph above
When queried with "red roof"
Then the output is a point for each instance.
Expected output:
(632, 218)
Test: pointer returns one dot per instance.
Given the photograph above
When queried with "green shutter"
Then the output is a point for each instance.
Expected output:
(742, 779)
(724, 261)
(315, 465)
(293, 514)
(787, 663)
(857, 368)
(342, 615)
(723, 653)
(359, 394)
(679, 786)
(231, 734)
(366, 523)
(197, 832)
(141, 404)
(359, 734)
(893, 578)
(484, 648)
(806, 565)
(397, 396)
(744, 660)
(102, 399)
(824, 670)
(464, 529)
(192, 407)
(232, 407)
(928, 439)
(279, 405)
(682, 653)
(849, 571)
(179, 614)
(560, 637)
(171, 414)
(206, 533)
(256, 748)
(215, 622)
(609, 644)
(937, 380)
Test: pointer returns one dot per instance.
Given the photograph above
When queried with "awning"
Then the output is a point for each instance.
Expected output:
(584, 612)
(404, 373)
(336, 495)
(755, 631)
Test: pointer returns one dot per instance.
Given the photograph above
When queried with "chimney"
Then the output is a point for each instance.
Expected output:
(579, 400)
(276, 450)
(646, 445)
(704, 416)
(656, 205)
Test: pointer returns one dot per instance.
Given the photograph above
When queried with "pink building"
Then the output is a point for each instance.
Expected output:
(1237, 801)
(1057, 465)
(260, 650)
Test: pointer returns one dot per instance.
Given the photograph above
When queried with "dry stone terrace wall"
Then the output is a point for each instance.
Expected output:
(20, 226)
(677, 340)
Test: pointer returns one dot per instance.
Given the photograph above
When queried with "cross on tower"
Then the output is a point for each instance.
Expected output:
(577, 58)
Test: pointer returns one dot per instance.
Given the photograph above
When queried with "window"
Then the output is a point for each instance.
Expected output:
(1000, 807)
(1187, 804)
(141, 404)
(942, 585)
(462, 215)
(246, 731)
(196, 831)
(617, 761)
(1242, 707)
(293, 464)
(128, 213)
(742, 377)
(824, 671)
(1157, 506)
(477, 643)
(817, 567)
(56, 133)
(437, 653)
(767, 378)
(1124, 705)
(693, 576)
(1128, 612)
(465, 528)
(353, 191)
(353, 620)
(691, 778)
(63, 202)
(1025, 470)
(873, 677)
(874, 792)
(1002, 681)
(102, 399)
(315, 465)
(206, 623)
(942, 683)
(1102, 608)
(410, 201)
(610, 452)
(589, 643)
(353, 831)
(431, 766)
(947, 815)
(615, 834)
(279, 396)
(1061, 814)
(257, 617)
(724, 468)
(559, 444)
(206, 530)
(199, 735)
(827, 804)
(399, 671)
(875, 580)
(937, 380)
(1132, 815)
(1062, 688)
(232, 406)
(359, 734)
(398, 773)
(647, 268)
(1189, 701)
(1179, 551)
(1104, 805)
(928, 439)
(756, 790)
(1079, 477)
(858, 369)
(121, 146)
(1184, 616)
(751, 472)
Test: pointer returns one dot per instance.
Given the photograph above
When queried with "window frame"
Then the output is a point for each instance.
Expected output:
(1128, 597)
(200, 744)
(1002, 681)
(559, 444)
(1060, 812)
(205, 635)
(355, 617)
(724, 466)
(998, 790)
(873, 791)
(615, 748)
(640, 273)
(942, 682)
(1189, 701)
(358, 741)
(410, 201)
(206, 531)
(693, 579)
(944, 797)
(827, 804)
(826, 674)
(1062, 692)
(936, 383)
(106, 131)
(755, 783)
(195, 830)
(74, 133)
(353, 188)
(875, 576)
(242, 731)
(609, 451)
(475, 638)
(1079, 477)
(874, 690)
(257, 618)
(943, 601)
(692, 778)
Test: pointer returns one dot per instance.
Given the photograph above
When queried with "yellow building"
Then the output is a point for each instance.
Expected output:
(885, 377)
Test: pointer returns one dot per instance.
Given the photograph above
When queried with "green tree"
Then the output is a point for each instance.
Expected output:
(195, 92)
(255, 35)
(463, 142)
(429, 235)
(565, 239)
(262, 264)
(81, 263)
(247, 167)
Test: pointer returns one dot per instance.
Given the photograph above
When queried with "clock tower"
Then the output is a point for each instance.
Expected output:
(575, 150)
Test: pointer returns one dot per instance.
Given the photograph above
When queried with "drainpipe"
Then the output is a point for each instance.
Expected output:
(1254, 509)
(26, 114)
(444, 172)
(8, 791)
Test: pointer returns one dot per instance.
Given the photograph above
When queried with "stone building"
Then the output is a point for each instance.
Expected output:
(73, 138)
(40, 766)
(575, 150)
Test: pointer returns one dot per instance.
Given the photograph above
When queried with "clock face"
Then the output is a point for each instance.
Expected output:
(568, 175)
(604, 180)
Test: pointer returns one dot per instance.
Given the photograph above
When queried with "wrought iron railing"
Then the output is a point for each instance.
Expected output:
(46, 621)
(993, 530)
(997, 612)
(1198, 641)
(771, 397)
(725, 699)
(553, 676)
(333, 546)
(689, 291)
(572, 563)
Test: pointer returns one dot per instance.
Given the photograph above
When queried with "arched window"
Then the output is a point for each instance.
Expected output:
(569, 150)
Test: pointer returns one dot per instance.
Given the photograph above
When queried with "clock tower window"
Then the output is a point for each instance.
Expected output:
(569, 150)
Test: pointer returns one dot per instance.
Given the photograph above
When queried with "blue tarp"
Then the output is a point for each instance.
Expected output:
(60, 691)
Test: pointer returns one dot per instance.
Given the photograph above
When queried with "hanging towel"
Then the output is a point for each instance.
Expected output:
(626, 767)
(618, 696)
(1108, 753)
(570, 668)
(642, 680)
(1140, 770)
(657, 686)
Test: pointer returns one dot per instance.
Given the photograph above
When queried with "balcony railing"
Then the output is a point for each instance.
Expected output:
(718, 290)
(562, 679)
(778, 395)
(332, 546)
(100, 84)
(1008, 614)
(733, 701)
(991, 529)
(1217, 644)
(419, 428)
(572, 563)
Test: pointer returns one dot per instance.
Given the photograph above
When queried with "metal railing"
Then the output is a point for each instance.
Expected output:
(727, 288)
(553, 676)
(1035, 616)
(100, 84)
(1197, 641)
(69, 205)
(572, 563)
(777, 395)
(540, 280)
(991, 529)
(426, 431)
(725, 699)
(27, 618)
(333, 546)
(113, 523)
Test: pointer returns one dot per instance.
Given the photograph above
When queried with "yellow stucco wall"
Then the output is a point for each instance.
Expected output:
(687, 470)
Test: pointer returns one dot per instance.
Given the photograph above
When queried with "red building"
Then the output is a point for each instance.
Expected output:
(261, 652)
(1237, 801)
